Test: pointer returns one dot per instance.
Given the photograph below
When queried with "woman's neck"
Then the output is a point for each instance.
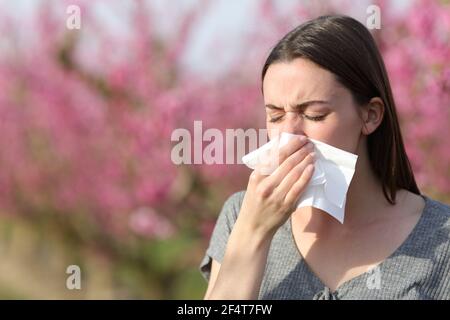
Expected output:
(365, 193)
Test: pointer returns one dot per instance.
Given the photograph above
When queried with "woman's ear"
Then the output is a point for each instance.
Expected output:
(372, 115)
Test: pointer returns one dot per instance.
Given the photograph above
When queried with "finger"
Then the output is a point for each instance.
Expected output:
(277, 155)
(256, 176)
(278, 175)
(292, 146)
(294, 175)
(299, 186)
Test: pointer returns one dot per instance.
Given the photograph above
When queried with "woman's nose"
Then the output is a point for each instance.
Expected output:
(293, 123)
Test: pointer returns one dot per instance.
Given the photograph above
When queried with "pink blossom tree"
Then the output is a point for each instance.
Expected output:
(86, 118)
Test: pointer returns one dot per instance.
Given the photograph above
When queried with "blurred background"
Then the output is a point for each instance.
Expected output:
(86, 117)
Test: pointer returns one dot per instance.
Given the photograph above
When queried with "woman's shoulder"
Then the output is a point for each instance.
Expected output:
(233, 204)
(431, 247)
(435, 226)
(236, 197)
(437, 211)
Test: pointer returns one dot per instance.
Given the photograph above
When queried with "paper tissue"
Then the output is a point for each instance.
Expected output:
(333, 172)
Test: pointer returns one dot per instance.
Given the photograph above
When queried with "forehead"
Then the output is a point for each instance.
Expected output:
(288, 82)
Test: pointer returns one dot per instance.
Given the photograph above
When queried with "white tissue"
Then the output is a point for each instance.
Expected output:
(333, 172)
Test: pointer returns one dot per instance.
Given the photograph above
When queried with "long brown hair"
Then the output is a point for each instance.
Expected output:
(345, 47)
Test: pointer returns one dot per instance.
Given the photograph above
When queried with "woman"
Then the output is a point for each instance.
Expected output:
(326, 80)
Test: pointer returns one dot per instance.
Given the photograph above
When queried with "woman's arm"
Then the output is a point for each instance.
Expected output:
(241, 272)
(267, 204)
(215, 268)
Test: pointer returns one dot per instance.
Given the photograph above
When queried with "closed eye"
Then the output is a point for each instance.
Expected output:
(275, 119)
(311, 118)
(315, 118)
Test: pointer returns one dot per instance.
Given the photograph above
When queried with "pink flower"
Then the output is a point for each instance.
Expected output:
(146, 222)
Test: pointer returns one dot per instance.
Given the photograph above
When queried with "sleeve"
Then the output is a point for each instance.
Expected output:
(222, 229)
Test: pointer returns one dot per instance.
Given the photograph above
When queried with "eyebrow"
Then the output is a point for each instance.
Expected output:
(300, 106)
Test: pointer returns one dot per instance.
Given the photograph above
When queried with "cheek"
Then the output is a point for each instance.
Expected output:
(339, 131)
(272, 129)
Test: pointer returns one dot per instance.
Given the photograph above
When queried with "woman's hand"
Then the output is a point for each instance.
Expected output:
(270, 200)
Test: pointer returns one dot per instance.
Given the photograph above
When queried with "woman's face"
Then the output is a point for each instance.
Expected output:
(302, 98)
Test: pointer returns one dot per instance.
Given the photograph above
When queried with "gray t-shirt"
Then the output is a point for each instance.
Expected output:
(418, 269)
